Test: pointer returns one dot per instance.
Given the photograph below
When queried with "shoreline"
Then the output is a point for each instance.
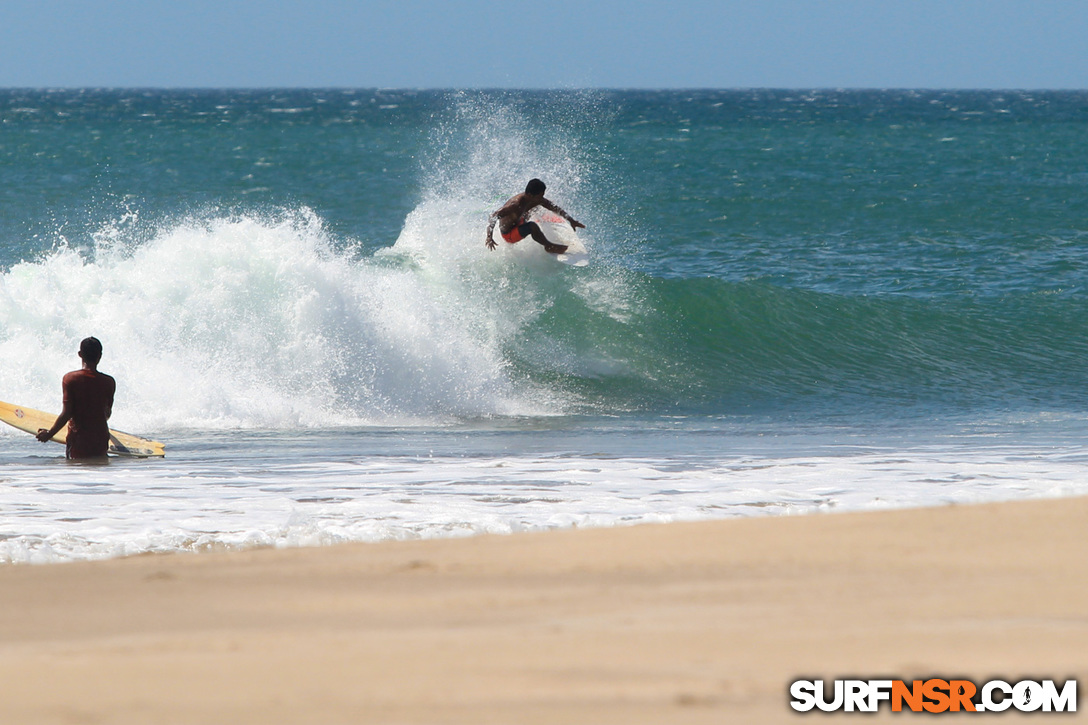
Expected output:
(680, 622)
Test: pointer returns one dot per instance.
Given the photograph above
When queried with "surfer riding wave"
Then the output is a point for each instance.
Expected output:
(512, 218)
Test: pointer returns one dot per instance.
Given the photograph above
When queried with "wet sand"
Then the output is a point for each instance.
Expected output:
(676, 623)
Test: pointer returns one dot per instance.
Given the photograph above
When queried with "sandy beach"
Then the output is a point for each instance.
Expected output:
(675, 623)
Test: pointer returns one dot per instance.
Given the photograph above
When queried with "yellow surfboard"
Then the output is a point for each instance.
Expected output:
(121, 444)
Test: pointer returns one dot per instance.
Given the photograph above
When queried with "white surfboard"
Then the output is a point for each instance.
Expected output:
(558, 231)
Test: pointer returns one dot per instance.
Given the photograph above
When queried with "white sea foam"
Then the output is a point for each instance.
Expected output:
(205, 498)
(261, 322)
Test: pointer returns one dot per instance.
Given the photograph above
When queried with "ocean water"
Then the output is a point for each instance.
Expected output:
(798, 301)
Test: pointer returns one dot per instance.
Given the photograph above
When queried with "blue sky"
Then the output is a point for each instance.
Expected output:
(557, 44)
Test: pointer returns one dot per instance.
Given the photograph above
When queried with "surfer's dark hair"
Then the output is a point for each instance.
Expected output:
(535, 187)
(90, 349)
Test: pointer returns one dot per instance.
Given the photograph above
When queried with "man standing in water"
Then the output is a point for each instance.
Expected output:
(512, 218)
(88, 403)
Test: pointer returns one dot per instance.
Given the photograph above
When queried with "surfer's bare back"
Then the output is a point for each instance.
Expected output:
(513, 223)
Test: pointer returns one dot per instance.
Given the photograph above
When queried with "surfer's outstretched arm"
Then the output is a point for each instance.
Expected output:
(489, 242)
(574, 223)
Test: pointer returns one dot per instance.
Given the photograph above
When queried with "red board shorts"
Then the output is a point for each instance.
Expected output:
(516, 234)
